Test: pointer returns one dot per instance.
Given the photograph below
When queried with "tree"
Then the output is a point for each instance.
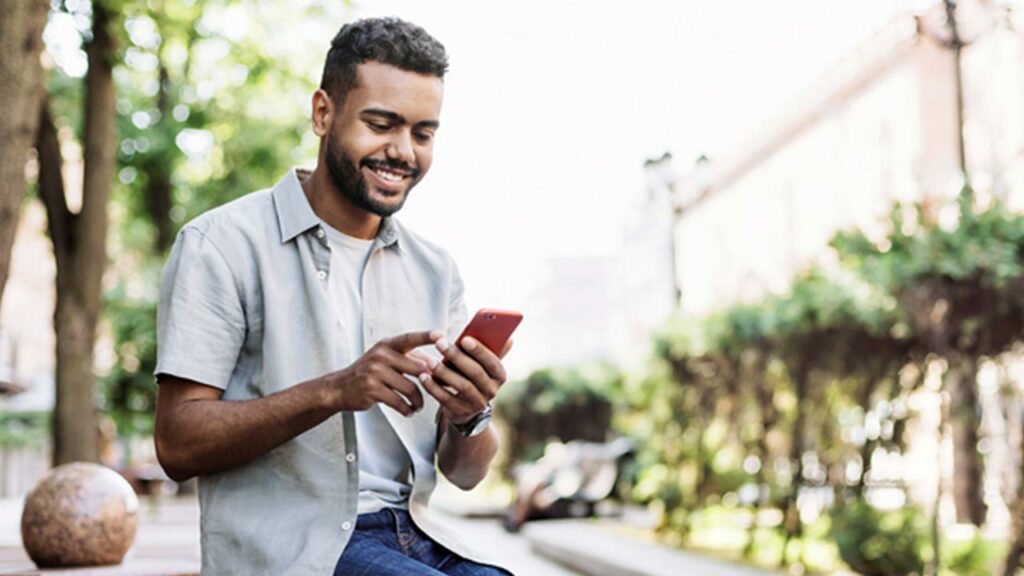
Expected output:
(79, 243)
(21, 86)
(958, 290)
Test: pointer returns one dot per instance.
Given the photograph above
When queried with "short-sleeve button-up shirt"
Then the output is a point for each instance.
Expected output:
(244, 308)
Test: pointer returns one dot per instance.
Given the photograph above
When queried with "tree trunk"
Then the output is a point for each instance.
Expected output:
(79, 242)
(768, 416)
(21, 87)
(1015, 550)
(965, 418)
(158, 173)
(868, 448)
(791, 520)
(1016, 543)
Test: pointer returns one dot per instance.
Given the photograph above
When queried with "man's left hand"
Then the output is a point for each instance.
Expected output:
(468, 379)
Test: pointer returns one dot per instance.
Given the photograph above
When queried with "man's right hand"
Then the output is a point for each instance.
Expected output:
(199, 433)
(378, 376)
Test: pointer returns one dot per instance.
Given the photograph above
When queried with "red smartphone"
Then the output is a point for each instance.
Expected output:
(492, 328)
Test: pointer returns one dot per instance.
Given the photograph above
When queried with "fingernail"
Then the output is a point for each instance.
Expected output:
(424, 377)
(436, 335)
(451, 390)
(442, 344)
(469, 343)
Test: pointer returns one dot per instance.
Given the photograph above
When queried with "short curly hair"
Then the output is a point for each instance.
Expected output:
(386, 40)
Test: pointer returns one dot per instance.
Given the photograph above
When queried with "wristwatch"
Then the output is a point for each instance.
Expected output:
(476, 425)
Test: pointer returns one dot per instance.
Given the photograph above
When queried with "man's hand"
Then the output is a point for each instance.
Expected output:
(467, 380)
(378, 376)
(463, 384)
(199, 433)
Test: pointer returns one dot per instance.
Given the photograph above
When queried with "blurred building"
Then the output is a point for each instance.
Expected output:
(645, 292)
(881, 127)
(27, 340)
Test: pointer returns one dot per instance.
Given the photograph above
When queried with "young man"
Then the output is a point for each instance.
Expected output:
(288, 327)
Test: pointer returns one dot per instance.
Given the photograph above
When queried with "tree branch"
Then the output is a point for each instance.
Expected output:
(51, 183)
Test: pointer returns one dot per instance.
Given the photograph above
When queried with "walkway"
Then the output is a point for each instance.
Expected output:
(167, 544)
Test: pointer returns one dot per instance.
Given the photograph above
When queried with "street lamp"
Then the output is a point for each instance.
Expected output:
(954, 25)
(678, 194)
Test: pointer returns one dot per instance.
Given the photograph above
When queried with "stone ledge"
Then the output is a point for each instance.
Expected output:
(589, 548)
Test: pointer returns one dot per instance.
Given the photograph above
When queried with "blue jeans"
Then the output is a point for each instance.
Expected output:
(387, 543)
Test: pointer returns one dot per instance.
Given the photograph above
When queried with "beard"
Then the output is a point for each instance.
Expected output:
(348, 179)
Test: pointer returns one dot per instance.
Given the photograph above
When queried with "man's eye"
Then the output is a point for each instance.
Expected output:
(423, 136)
(378, 127)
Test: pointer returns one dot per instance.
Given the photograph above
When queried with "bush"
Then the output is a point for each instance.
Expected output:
(554, 404)
(19, 429)
(875, 543)
(974, 557)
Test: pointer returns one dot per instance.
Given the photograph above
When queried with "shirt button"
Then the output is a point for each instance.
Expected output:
(320, 233)
(350, 457)
(346, 525)
(321, 274)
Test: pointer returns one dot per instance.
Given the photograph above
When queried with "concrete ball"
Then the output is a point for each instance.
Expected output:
(79, 514)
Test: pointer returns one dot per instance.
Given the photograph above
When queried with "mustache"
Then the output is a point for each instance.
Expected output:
(394, 165)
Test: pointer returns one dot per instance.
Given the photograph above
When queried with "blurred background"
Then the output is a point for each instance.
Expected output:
(774, 248)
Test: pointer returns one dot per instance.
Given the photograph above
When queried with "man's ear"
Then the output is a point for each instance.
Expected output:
(322, 113)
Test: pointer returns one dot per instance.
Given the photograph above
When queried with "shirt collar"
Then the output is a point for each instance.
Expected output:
(295, 215)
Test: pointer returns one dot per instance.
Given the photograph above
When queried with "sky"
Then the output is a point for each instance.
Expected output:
(552, 106)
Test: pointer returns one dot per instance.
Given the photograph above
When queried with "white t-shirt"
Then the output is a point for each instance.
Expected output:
(384, 465)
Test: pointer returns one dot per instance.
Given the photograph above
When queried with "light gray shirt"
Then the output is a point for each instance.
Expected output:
(384, 466)
(244, 307)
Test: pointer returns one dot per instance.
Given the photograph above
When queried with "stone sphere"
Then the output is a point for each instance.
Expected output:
(79, 514)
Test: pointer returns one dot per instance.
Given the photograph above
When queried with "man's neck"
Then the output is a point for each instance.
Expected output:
(331, 206)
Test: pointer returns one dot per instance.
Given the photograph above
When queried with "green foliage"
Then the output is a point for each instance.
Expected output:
(974, 557)
(129, 389)
(18, 429)
(983, 245)
(799, 376)
(875, 543)
(958, 285)
(556, 404)
(212, 99)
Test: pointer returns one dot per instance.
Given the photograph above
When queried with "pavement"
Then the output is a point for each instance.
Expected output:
(167, 544)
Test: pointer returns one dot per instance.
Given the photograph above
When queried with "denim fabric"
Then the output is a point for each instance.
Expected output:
(387, 543)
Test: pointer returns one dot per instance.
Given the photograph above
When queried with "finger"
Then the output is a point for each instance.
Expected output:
(487, 359)
(455, 357)
(441, 393)
(408, 391)
(427, 361)
(393, 399)
(408, 363)
(468, 391)
(431, 363)
(406, 342)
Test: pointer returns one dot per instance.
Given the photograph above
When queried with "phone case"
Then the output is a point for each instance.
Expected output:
(492, 328)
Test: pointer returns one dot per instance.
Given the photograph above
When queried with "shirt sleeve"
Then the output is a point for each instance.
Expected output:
(200, 317)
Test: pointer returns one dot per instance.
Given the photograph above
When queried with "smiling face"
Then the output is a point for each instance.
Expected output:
(380, 141)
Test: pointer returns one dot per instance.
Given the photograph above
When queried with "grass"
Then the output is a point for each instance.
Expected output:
(723, 532)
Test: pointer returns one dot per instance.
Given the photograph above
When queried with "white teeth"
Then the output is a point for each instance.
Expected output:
(389, 176)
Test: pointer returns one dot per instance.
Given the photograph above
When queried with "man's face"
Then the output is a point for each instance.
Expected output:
(380, 142)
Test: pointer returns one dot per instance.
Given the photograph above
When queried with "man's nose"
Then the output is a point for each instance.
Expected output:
(401, 148)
